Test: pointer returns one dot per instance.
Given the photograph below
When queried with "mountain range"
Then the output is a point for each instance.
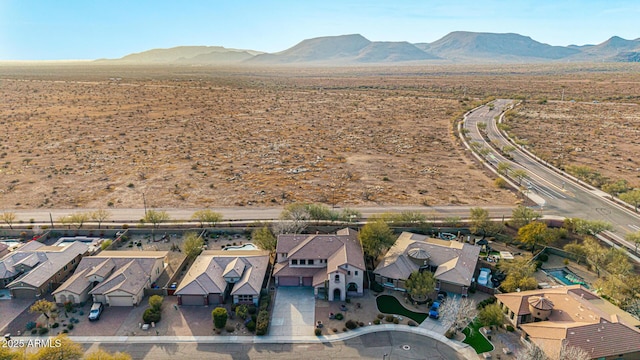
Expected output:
(455, 47)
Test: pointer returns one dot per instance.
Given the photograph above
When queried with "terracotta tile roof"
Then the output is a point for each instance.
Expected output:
(455, 261)
(582, 318)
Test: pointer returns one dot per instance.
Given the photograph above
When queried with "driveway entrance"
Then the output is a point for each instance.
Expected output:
(294, 312)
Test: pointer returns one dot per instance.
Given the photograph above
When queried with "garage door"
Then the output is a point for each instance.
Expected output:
(192, 300)
(24, 293)
(288, 281)
(307, 281)
(215, 299)
(120, 301)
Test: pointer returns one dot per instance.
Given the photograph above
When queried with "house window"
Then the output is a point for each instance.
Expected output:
(349, 272)
(337, 278)
(310, 262)
(294, 262)
(356, 273)
(73, 261)
(303, 262)
(245, 298)
(65, 267)
(157, 270)
(346, 266)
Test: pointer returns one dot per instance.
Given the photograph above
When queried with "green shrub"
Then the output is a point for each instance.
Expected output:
(252, 309)
(344, 329)
(65, 331)
(318, 332)
(380, 316)
(55, 325)
(350, 324)
(70, 326)
(35, 331)
(68, 306)
(43, 330)
(360, 323)
(389, 318)
(376, 321)
(242, 311)
(396, 321)
(220, 316)
(230, 328)
(334, 330)
(339, 316)
(31, 325)
(510, 328)
(251, 326)
(262, 325)
(543, 257)
(151, 315)
(155, 301)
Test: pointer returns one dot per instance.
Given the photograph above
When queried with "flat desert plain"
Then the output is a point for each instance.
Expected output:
(90, 136)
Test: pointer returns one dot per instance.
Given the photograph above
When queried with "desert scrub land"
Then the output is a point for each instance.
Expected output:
(91, 136)
(604, 137)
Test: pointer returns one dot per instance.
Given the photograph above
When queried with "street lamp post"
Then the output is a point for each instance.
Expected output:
(144, 202)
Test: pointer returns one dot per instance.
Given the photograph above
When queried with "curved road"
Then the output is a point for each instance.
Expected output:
(555, 193)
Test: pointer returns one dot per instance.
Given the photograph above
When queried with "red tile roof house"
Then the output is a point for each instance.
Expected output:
(574, 316)
(453, 263)
(332, 264)
(218, 274)
(34, 269)
(114, 278)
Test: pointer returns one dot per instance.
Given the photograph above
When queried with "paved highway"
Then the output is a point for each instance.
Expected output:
(554, 193)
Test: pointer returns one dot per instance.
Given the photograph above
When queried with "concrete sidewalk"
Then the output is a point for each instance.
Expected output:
(463, 349)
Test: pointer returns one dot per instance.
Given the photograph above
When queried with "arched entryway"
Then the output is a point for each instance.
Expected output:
(336, 294)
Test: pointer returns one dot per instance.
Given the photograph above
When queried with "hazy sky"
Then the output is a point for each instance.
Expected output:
(90, 29)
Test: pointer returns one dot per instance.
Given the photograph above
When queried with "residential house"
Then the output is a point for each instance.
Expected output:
(575, 317)
(332, 264)
(34, 269)
(115, 278)
(4, 250)
(217, 274)
(453, 263)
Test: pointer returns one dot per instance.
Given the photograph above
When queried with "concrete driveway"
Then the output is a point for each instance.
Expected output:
(293, 312)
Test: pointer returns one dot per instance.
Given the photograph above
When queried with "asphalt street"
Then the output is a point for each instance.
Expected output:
(559, 194)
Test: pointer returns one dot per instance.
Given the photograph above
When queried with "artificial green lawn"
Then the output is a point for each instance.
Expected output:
(390, 305)
(476, 340)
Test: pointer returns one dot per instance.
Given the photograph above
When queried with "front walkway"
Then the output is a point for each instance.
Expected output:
(293, 312)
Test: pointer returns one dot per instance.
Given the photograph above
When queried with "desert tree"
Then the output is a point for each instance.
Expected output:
(100, 216)
(519, 274)
(576, 249)
(293, 219)
(9, 218)
(491, 315)
(43, 307)
(523, 215)
(78, 219)
(503, 168)
(618, 262)
(482, 224)
(264, 238)
(375, 238)
(533, 234)
(420, 284)
(568, 352)
(530, 351)
(456, 314)
(519, 174)
(590, 227)
(207, 216)
(156, 217)
(615, 188)
(63, 349)
(102, 354)
(634, 238)
(193, 244)
(632, 197)
(595, 253)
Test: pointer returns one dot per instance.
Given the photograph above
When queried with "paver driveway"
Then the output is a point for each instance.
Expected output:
(293, 312)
